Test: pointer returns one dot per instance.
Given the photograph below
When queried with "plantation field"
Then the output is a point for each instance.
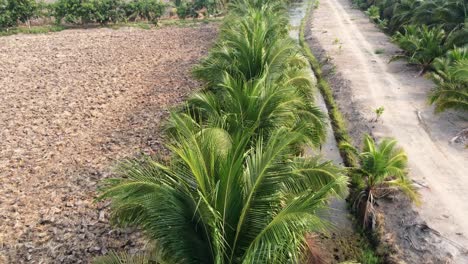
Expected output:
(359, 53)
(71, 104)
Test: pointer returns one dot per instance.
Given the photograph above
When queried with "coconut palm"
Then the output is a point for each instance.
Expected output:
(247, 47)
(457, 37)
(451, 78)
(257, 79)
(220, 202)
(382, 170)
(448, 14)
(449, 95)
(421, 45)
(402, 13)
(259, 106)
(446, 68)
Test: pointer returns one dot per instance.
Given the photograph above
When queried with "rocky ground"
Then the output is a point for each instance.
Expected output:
(72, 104)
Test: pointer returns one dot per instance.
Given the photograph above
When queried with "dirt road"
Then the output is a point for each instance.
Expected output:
(363, 81)
(73, 103)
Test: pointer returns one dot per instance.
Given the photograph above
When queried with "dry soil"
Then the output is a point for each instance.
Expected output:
(363, 80)
(72, 104)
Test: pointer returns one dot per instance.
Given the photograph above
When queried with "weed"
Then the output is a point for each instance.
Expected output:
(369, 257)
(316, 4)
(379, 51)
(378, 113)
(32, 30)
(374, 13)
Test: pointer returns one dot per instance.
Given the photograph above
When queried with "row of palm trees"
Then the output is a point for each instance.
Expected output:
(236, 188)
(434, 36)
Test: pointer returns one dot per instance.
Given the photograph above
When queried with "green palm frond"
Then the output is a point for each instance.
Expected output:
(382, 168)
(234, 190)
(448, 95)
(451, 78)
(448, 14)
(261, 106)
(421, 45)
(209, 205)
(402, 14)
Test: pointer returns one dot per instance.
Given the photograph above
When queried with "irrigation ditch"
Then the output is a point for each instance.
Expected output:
(401, 234)
(345, 241)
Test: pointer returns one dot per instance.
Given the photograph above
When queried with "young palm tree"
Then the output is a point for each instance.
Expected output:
(451, 78)
(457, 37)
(247, 47)
(234, 192)
(448, 14)
(402, 13)
(259, 106)
(449, 67)
(220, 202)
(382, 170)
(421, 44)
(450, 95)
(257, 79)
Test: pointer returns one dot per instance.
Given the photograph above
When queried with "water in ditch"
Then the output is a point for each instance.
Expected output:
(342, 241)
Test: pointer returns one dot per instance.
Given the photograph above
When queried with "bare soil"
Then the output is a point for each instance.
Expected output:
(72, 104)
(356, 54)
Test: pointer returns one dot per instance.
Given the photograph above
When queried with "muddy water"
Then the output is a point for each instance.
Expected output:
(339, 215)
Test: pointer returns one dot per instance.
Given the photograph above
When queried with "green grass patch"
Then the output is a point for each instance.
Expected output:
(379, 51)
(141, 25)
(32, 30)
(336, 118)
(188, 22)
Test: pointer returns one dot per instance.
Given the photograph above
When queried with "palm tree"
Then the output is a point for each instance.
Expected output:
(382, 170)
(234, 191)
(451, 95)
(448, 14)
(247, 47)
(421, 45)
(259, 106)
(257, 79)
(220, 202)
(457, 37)
(402, 13)
(451, 78)
(449, 67)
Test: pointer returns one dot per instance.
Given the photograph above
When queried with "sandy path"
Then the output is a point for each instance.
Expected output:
(71, 104)
(350, 41)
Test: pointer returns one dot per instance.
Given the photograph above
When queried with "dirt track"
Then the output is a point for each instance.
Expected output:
(72, 103)
(364, 81)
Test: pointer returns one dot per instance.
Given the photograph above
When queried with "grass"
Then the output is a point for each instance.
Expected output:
(316, 4)
(369, 255)
(379, 51)
(188, 22)
(336, 118)
(32, 30)
(141, 25)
